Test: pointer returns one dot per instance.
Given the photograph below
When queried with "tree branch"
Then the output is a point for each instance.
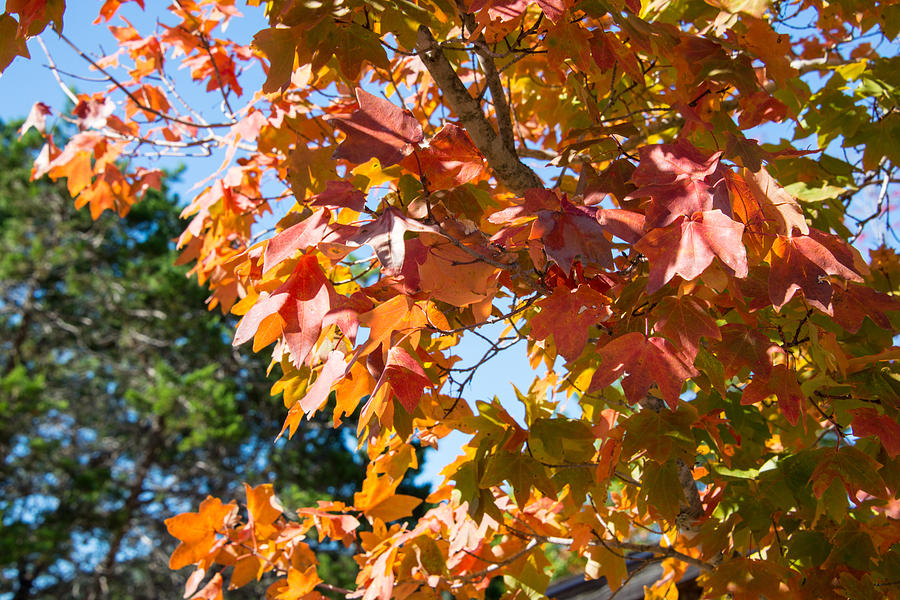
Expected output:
(498, 96)
(691, 509)
(508, 169)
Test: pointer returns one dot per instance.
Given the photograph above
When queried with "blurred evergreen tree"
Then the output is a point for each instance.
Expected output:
(122, 401)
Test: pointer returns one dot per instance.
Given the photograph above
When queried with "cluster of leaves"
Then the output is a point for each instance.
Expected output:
(123, 399)
(728, 353)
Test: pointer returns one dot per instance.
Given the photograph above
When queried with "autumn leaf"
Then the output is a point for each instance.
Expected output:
(386, 236)
(644, 361)
(376, 129)
(869, 422)
(855, 469)
(687, 247)
(567, 315)
(450, 159)
(198, 531)
(684, 321)
(803, 263)
(405, 376)
(775, 203)
(572, 234)
(782, 383)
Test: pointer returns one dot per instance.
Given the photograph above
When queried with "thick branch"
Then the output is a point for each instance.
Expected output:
(498, 95)
(509, 170)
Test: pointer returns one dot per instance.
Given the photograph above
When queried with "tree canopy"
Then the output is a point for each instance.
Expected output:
(659, 197)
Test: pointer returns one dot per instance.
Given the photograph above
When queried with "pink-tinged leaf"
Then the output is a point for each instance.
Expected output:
(37, 118)
(776, 204)
(644, 361)
(385, 236)
(340, 194)
(377, 129)
(868, 421)
(254, 317)
(782, 383)
(680, 180)
(405, 376)
(688, 246)
(92, 114)
(684, 321)
(665, 164)
(570, 234)
(331, 372)
(303, 235)
(804, 263)
(624, 224)
(568, 315)
(536, 200)
(449, 160)
(303, 301)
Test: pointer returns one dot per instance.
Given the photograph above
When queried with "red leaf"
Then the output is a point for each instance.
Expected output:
(568, 314)
(680, 180)
(857, 302)
(303, 235)
(340, 194)
(405, 376)
(868, 421)
(624, 224)
(742, 346)
(684, 322)
(449, 160)
(780, 382)
(572, 233)
(804, 262)
(646, 361)
(377, 129)
(688, 246)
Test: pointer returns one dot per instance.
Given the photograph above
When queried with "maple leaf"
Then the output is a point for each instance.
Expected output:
(385, 236)
(853, 304)
(405, 376)
(774, 202)
(339, 194)
(748, 579)
(868, 421)
(782, 383)
(743, 346)
(688, 246)
(197, 531)
(305, 234)
(804, 263)
(567, 315)
(679, 180)
(684, 321)
(11, 43)
(572, 233)
(376, 129)
(643, 361)
(303, 302)
(450, 159)
(855, 469)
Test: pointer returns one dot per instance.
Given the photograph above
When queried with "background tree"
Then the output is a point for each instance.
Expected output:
(122, 398)
(720, 376)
